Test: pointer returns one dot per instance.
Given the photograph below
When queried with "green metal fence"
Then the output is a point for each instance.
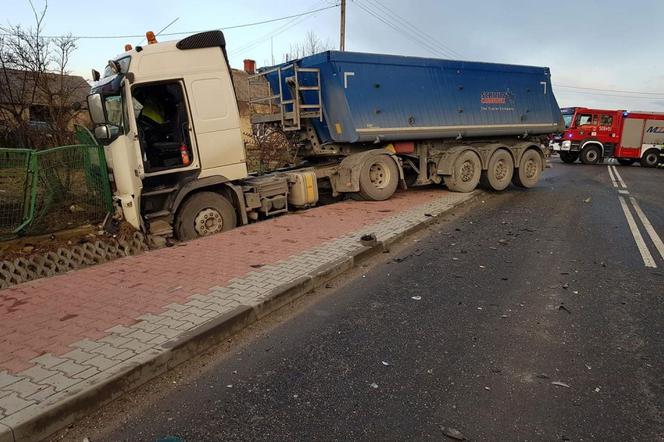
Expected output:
(53, 189)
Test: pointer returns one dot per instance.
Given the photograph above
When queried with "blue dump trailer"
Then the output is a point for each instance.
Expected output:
(460, 122)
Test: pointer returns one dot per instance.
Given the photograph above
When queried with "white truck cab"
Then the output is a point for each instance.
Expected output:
(168, 117)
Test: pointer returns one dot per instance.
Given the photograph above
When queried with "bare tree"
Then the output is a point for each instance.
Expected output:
(34, 78)
(312, 44)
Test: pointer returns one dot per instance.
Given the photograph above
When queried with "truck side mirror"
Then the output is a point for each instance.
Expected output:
(103, 132)
(96, 109)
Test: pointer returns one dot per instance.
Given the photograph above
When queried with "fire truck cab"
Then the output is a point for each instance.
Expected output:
(596, 134)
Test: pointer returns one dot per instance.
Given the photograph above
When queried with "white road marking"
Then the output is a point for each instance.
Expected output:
(651, 231)
(623, 191)
(613, 177)
(648, 260)
(622, 183)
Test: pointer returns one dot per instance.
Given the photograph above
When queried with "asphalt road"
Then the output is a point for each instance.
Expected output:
(531, 316)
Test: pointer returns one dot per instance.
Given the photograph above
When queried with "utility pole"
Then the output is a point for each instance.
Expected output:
(342, 31)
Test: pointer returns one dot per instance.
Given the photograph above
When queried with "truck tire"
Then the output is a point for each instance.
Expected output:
(498, 174)
(379, 178)
(626, 161)
(529, 171)
(466, 173)
(591, 154)
(650, 158)
(203, 214)
(569, 157)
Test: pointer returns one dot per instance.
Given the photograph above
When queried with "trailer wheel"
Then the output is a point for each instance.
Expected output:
(626, 161)
(203, 214)
(591, 154)
(650, 158)
(529, 171)
(466, 173)
(569, 157)
(379, 178)
(499, 172)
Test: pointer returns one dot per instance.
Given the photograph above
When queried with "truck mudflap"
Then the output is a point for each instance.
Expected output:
(347, 176)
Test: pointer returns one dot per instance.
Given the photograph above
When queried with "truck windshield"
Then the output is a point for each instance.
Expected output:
(124, 67)
(583, 120)
(567, 118)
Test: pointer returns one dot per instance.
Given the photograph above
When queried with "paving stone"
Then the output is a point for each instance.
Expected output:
(92, 371)
(88, 345)
(136, 346)
(142, 336)
(48, 360)
(177, 307)
(37, 373)
(79, 355)
(7, 379)
(120, 330)
(101, 362)
(146, 326)
(115, 340)
(42, 394)
(168, 322)
(60, 381)
(127, 354)
(159, 340)
(12, 403)
(24, 387)
(108, 350)
(70, 368)
(170, 333)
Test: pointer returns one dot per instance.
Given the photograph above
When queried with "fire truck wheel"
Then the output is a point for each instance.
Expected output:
(569, 157)
(498, 174)
(529, 171)
(650, 158)
(591, 154)
(379, 178)
(626, 161)
(203, 214)
(465, 173)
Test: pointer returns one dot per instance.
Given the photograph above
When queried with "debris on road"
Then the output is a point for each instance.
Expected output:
(385, 363)
(453, 433)
(369, 240)
(416, 298)
(560, 384)
(373, 385)
(587, 200)
(565, 309)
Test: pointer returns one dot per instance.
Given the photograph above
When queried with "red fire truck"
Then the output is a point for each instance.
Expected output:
(596, 134)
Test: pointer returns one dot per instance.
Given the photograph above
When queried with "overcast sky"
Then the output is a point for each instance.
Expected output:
(612, 45)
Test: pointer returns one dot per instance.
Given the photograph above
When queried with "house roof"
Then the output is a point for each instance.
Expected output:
(74, 87)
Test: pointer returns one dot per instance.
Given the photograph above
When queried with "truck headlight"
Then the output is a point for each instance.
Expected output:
(567, 145)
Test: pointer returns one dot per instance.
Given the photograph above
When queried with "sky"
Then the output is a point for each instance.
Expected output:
(602, 53)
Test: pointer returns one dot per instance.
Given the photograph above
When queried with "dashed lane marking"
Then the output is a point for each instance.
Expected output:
(649, 228)
(648, 260)
(623, 191)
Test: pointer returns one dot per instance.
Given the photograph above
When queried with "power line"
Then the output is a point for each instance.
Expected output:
(402, 31)
(608, 90)
(245, 25)
(416, 30)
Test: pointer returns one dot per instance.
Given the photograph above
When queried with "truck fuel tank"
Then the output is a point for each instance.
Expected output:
(302, 188)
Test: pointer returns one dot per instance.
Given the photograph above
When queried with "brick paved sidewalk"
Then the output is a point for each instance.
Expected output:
(64, 335)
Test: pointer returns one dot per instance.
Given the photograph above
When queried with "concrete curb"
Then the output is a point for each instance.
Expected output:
(52, 417)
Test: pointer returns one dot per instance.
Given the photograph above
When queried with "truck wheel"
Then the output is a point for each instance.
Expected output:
(626, 161)
(591, 155)
(569, 157)
(465, 173)
(379, 178)
(203, 214)
(650, 158)
(499, 173)
(529, 171)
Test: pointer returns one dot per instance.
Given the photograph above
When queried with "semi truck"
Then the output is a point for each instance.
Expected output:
(596, 134)
(364, 124)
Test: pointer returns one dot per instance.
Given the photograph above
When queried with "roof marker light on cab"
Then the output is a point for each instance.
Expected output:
(150, 37)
